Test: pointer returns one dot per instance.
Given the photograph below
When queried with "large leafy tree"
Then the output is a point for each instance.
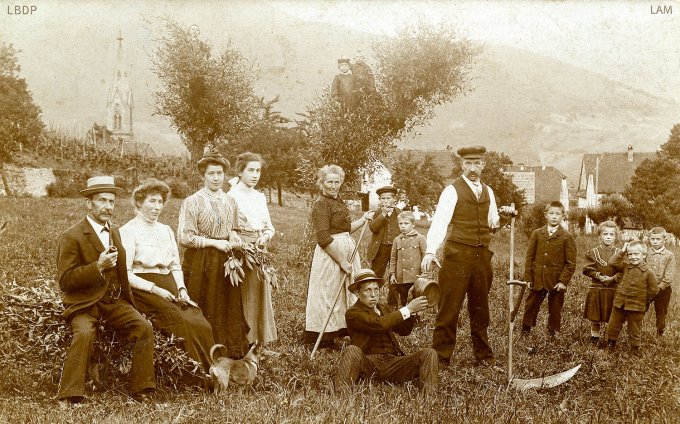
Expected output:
(654, 189)
(421, 181)
(278, 144)
(208, 98)
(20, 124)
(419, 69)
(493, 175)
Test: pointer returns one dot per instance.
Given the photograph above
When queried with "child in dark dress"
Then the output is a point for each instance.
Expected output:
(600, 296)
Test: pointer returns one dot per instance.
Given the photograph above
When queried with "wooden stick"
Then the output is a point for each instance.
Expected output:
(340, 289)
(510, 293)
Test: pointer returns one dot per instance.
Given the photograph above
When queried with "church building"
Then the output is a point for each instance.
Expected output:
(119, 105)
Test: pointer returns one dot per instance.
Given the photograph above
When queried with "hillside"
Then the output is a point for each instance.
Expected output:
(540, 110)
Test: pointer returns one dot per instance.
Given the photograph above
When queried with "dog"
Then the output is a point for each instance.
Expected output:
(241, 372)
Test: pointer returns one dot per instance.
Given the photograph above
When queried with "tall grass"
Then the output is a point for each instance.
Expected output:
(290, 388)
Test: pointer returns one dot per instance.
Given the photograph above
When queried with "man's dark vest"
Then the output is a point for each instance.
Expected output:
(470, 220)
(379, 343)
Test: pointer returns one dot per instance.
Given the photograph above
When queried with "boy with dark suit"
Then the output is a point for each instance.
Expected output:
(92, 276)
(384, 228)
(374, 350)
(550, 264)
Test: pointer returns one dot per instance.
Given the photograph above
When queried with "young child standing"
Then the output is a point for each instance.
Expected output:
(550, 264)
(408, 250)
(636, 287)
(662, 263)
(603, 277)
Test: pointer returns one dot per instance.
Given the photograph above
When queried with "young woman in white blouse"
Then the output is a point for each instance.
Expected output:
(155, 273)
(254, 226)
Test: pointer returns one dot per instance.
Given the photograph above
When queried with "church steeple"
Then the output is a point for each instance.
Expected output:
(119, 104)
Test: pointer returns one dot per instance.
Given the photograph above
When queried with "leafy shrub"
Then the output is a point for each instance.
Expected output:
(31, 327)
(532, 217)
(614, 207)
(179, 189)
(67, 184)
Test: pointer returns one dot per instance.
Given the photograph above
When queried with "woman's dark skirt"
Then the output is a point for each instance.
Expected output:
(186, 322)
(218, 299)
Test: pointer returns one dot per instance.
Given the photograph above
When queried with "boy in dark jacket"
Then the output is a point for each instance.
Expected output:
(636, 288)
(550, 264)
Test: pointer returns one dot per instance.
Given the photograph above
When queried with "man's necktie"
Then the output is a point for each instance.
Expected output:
(478, 190)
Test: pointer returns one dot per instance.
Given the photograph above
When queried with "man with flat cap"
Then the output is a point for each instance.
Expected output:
(468, 206)
(384, 229)
(92, 276)
(374, 351)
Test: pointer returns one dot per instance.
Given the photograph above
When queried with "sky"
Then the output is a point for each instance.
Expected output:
(622, 40)
(63, 43)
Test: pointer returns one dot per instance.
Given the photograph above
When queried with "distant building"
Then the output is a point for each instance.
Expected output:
(541, 184)
(119, 105)
(382, 175)
(607, 173)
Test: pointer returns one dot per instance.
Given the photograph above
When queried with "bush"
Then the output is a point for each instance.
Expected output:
(32, 331)
(179, 189)
(67, 184)
(532, 217)
(614, 207)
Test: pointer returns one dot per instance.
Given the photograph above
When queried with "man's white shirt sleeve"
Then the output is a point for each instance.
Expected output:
(441, 218)
(494, 218)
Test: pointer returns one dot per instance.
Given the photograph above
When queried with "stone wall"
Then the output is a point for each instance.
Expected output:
(18, 181)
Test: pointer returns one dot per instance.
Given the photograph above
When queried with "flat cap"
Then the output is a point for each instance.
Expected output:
(471, 152)
(386, 189)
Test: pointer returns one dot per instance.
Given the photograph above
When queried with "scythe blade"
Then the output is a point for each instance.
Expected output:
(544, 382)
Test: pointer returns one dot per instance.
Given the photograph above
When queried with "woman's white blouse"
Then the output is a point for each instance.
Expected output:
(150, 247)
(253, 214)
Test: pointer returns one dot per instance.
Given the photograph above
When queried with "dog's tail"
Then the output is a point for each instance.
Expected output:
(212, 351)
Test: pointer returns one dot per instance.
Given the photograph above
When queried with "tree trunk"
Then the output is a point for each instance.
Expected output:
(279, 193)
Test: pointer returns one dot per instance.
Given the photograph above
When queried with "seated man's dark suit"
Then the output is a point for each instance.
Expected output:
(375, 352)
(89, 295)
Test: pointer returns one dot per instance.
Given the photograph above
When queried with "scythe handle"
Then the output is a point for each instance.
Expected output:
(511, 307)
(513, 314)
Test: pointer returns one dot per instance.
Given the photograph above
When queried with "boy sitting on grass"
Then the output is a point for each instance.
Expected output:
(636, 288)
(662, 263)
(550, 264)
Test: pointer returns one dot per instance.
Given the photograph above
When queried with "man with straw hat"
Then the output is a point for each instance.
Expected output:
(92, 276)
(374, 350)
(469, 207)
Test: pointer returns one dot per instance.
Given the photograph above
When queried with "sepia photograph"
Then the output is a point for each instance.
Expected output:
(284, 211)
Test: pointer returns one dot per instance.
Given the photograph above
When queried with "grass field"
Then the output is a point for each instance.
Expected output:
(609, 387)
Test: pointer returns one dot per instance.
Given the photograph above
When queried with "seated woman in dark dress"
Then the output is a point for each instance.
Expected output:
(156, 276)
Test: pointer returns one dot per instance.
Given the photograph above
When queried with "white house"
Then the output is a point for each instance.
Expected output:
(382, 175)
(541, 184)
(607, 173)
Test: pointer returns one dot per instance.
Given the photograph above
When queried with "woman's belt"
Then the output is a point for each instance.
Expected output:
(251, 233)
